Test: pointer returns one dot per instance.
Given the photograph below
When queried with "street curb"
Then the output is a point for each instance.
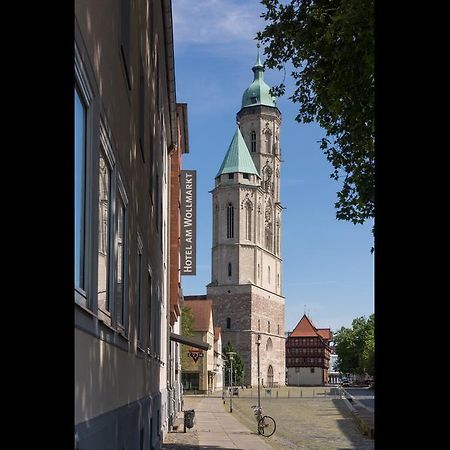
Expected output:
(366, 429)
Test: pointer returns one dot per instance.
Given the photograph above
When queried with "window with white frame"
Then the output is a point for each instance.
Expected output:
(121, 256)
(85, 123)
(138, 294)
(80, 185)
(150, 337)
(104, 233)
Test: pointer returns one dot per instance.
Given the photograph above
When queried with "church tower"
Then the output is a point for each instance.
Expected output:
(246, 250)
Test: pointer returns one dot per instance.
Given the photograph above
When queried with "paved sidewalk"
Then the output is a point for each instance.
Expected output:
(215, 428)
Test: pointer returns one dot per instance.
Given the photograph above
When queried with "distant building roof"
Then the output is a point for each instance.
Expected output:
(202, 313)
(305, 328)
(238, 157)
(325, 333)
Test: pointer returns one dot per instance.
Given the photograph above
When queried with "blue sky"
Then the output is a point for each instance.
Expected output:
(327, 264)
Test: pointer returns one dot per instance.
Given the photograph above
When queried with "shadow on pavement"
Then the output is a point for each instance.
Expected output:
(348, 423)
(192, 447)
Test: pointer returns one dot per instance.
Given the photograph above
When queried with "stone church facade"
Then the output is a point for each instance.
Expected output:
(246, 251)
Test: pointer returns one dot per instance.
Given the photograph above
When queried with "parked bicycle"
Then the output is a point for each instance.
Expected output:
(266, 424)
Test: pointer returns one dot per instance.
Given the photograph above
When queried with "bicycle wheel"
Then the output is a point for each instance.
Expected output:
(266, 426)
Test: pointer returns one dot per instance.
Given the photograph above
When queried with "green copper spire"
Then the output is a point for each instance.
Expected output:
(258, 93)
(238, 157)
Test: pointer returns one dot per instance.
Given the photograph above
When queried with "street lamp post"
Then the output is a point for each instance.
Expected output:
(258, 343)
(230, 358)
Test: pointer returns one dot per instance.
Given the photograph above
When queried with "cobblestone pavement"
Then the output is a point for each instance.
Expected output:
(312, 422)
(308, 423)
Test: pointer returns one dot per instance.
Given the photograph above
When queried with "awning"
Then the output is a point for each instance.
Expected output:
(189, 341)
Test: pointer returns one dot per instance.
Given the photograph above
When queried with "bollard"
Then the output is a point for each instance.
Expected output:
(301, 393)
(277, 393)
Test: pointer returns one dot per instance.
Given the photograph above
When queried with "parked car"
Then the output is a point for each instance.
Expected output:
(372, 385)
(345, 382)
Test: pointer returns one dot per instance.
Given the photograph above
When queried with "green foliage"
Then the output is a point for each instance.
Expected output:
(355, 347)
(238, 367)
(187, 321)
(187, 325)
(330, 44)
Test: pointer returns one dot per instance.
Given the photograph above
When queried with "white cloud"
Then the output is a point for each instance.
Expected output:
(217, 25)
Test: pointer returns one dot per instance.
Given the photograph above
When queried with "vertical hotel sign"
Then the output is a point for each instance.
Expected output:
(188, 221)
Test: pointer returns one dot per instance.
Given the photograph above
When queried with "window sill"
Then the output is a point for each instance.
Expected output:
(85, 309)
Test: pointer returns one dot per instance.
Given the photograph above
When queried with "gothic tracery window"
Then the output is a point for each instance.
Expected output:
(253, 141)
(267, 179)
(230, 221)
(268, 226)
(248, 220)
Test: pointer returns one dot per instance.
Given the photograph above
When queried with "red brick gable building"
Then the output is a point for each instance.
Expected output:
(308, 354)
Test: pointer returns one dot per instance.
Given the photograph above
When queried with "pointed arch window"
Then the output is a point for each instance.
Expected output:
(230, 221)
(253, 141)
(248, 220)
(229, 269)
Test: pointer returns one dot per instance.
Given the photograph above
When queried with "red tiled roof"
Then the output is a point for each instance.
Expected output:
(201, 310)
(305, 328)
(325, 333)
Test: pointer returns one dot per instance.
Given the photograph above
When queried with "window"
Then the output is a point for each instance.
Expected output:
(312, 369)
(253, 141)
(268, 274)
(141, 117)
(259, 271)
(278, 329)
(120, 272)
(229, 269)
(150, 343)
(228, 322)
(245, 175)
(85, 128)
(230, 221)
(104, 232)
(125, 38)
(80, 193)
(268, 326)
(259, 325)
(248, 221)
(139, 292)
(230, 176)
